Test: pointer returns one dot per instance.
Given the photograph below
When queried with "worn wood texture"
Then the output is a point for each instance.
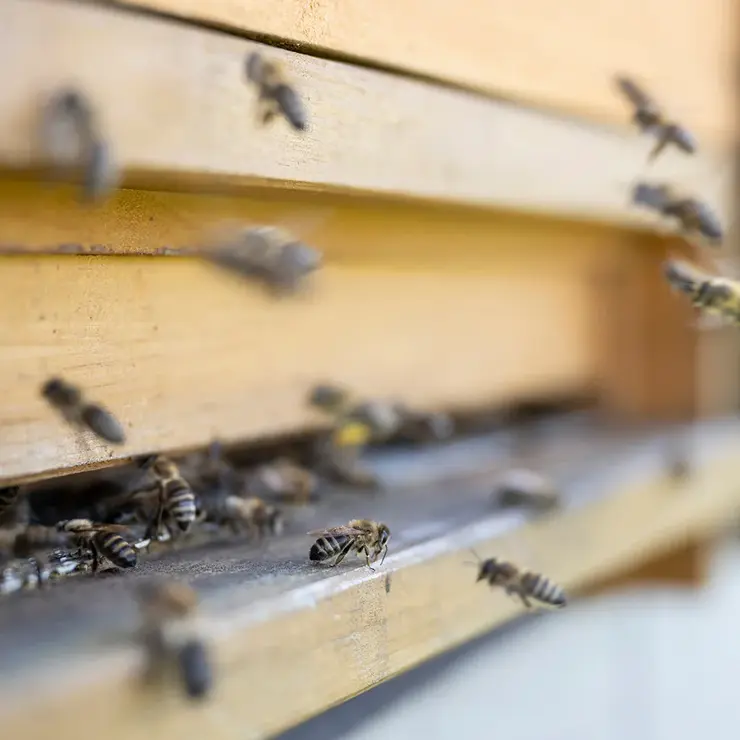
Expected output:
(684, 52)
(329, 639)
(174, 105)
(182, 351)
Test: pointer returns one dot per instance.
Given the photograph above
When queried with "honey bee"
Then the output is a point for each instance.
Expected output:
(693, 216)
(364, 536)
(175, 500)
(528, 489)
(266, 253)
(172, 636)
(276, 93)
(521, 583)
(712, 296)
(285, 480)
(68, 399)
(252, 515)
(649, 118)
(70, 140)
(102, 540)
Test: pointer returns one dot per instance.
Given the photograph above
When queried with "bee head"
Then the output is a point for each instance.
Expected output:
(384, 534)
(253, 67)
(304, 258)
(164, 467)
(58, 391)
(327, 397)
(74, 525)
(488, 569)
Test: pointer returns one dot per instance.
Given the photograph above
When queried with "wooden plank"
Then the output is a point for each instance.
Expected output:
(685, 53)
(174, 105)
(182, 351)
(326, 637)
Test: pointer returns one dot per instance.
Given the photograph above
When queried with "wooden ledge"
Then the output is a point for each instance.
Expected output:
(291, 640)
(174, 105)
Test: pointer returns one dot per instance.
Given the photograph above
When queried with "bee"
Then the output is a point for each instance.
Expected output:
(526, 585)
(712, 296)
(526, 488)
(266, 253)
(171, 636)
(174, 497)
(285, 480)
(70, 140)
(276, 94)
(364, 536)
(693, 216)
(649, 118)
(252, 515)
(102, 540)
(68, 399)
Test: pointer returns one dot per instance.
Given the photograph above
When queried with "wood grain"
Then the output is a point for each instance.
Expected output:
(557, 55)
(323, 643)
(173, 103)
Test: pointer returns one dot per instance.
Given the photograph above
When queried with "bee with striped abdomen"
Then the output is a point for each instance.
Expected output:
(649, 118)
(276, 93)
(102, 540)
(172, 636)
(712, 296)
(366, 537)
(524, 584)
(69, 400)
(284, 480)
(525, 488)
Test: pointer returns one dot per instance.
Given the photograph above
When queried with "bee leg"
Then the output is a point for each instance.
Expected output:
(367, 561)
(95, 558)
(385, 552)
(527, 603)
(342, 555)
(663, 141)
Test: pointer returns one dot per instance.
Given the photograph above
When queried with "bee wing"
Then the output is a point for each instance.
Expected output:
(634, 93)
(342, 530)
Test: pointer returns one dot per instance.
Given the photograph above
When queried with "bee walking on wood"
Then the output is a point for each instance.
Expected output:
(693, 216)
(524, 584)
(172, 636)
(527, 489)
(649, 118)
(711, 296)
(69, 400)
(366, 537)
(276, 93)
(103, 541)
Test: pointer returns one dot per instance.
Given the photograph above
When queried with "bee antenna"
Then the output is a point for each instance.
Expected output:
(478, 559)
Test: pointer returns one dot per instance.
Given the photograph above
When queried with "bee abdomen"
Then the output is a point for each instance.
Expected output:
(103, 423)
(544, 590)
(290, 104)
(195, 668)
(181, 504)
(117, 550)
(327, 547)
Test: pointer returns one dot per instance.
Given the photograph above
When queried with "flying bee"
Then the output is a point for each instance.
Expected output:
(525, 584)
(712, 296)
(69, 400)
(649, 118)
(266, 253)
(692, 215)
(175, 500)
(102, 540)
(285, 480)
(172, 637)
(253, 515)
(526, 488)
(70, 140)
(276, 93)
(364, 536)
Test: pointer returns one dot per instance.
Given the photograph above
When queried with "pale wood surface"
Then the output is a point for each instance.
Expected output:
(283, 657)
(173, 102)
(561, 54)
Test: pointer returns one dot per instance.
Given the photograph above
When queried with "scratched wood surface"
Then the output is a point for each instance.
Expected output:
(561, 55)
(302, 639)
(175, 109)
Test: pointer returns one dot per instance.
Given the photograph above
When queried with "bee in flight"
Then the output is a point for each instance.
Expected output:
(102, 540)
(364, 536)
(266, 253)
(712, 296)
(529, 587)
(276, 93)
(172, 637)
(285, 480)
(69, 400)
(649, 118)
(693, 216)
(71, 140)
(527, 489)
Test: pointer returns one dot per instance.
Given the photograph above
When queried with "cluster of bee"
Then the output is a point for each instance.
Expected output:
(711, 293)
